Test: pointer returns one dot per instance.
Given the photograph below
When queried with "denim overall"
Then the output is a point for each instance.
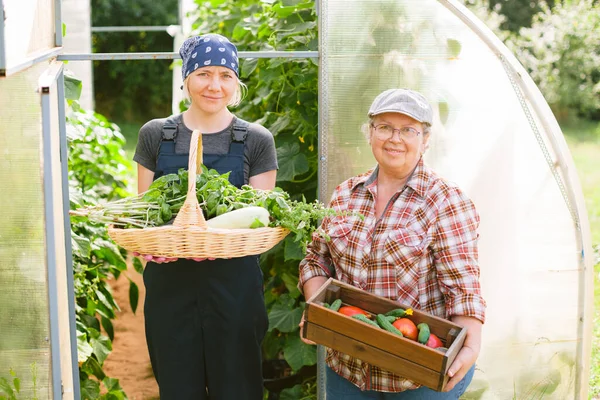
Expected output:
(205, 321)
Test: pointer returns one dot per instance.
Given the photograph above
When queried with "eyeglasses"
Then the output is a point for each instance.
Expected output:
(385, 132)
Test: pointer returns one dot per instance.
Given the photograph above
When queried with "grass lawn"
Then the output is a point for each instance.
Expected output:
(583, 139)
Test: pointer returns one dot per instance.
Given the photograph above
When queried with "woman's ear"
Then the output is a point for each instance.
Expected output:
(425, 144)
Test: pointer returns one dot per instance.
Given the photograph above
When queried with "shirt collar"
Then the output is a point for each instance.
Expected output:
(417, 180)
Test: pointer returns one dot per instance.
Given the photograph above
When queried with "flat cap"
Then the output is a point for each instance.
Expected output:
(403, 101)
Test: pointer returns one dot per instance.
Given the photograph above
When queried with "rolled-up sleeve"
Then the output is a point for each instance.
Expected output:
(456, 256)
(317, 261)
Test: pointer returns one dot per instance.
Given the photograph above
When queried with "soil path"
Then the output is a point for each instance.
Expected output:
(129, 361)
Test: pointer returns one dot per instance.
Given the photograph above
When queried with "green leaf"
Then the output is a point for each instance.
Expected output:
(293, 250)
(90, 390)
(291, 283)
(298, 354)
(6, 388)
(283, 318)
(111, 384)
(134, 295)
(280, 124)
(108, 251)
(282, 11)
(291, 162)
(454, 48)
(108, 327)
(102, 347)
(248, 66)
(81, 245)
(17, 384)
(137, 265)
(72, 86)
(92, 366)
(293, 393)
(84, 349)
(272, 344)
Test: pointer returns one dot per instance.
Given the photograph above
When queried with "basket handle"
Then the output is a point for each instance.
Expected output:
(190, 213)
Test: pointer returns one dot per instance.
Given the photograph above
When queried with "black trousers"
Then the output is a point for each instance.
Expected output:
(205, 322)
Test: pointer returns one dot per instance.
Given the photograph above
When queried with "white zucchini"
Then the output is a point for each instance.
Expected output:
(242, 218)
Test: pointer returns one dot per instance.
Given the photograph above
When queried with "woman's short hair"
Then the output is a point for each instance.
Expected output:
(236, 99)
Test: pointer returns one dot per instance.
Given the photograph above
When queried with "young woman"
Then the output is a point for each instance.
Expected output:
(205, 319)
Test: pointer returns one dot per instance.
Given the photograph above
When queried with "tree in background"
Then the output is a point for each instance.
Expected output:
(133, 91)
(561, 52)
(518, 13)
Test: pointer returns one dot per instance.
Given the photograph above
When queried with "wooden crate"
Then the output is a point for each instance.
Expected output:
(376, 346)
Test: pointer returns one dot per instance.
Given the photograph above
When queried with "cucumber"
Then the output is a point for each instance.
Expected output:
(387, 325)
(363, 318)
(335, 306)
(391, 318)
(424, 333)
(242, 218)
(398, 312)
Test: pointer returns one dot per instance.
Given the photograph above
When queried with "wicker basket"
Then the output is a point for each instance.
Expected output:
(189, 236)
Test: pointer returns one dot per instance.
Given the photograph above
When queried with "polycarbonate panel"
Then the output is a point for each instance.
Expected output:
(486, 139)
(24, 326)
(29, 29)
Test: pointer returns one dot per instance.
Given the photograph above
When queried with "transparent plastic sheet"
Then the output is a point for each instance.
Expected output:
(24, 326)
(530, 248)
(29, 28)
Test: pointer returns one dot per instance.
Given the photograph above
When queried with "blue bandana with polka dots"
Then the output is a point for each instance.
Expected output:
(208, 50)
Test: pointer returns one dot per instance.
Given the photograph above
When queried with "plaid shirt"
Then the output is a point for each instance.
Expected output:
(421, 252)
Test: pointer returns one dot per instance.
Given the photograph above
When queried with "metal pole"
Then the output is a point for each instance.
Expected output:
(175, 55)
(64, 164)
(46, 81)
(58, 23)
(2, 47)
(157, 28)
(42, 56)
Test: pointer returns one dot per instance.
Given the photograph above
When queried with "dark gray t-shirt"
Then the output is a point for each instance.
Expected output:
(259, 151)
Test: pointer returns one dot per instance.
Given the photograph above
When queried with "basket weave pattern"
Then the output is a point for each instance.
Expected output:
(189, 236)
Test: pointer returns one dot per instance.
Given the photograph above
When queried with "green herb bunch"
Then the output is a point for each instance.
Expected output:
(216, 195)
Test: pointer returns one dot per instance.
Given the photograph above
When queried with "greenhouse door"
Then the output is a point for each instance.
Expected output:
(38, 350)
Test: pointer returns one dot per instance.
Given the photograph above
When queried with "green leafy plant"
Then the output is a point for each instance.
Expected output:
(11, 389)
(97, 172)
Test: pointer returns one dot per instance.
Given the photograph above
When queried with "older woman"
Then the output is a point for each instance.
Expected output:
(417, 245)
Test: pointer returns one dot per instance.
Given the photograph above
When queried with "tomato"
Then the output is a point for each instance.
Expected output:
(407, 327)
(434, 342)
(351, 310)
